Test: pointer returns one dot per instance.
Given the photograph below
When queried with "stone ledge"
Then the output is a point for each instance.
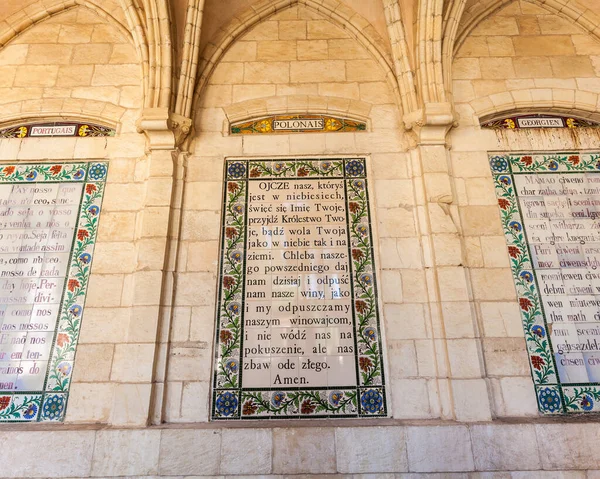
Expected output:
(382, 450)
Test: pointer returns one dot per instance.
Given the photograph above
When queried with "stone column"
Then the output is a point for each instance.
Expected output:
(461, 389)
(139, 363)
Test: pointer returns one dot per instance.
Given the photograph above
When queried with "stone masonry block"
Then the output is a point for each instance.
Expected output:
(43, 447)
(246, 451)
(385, 449)
(126, 453)
(189, 452)
(439, 449)
(304, 450)
(505, 448)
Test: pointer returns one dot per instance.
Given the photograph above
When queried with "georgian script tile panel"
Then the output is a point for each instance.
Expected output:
(550, 210)
(298, 331)
(48, 223)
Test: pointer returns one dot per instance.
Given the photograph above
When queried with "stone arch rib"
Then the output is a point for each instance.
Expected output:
(339, 14)
(400, 50)
(428, 68)
(150, 24)
(452, 17)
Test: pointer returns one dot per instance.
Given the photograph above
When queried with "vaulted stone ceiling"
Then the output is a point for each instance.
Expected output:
(17, 7)
(477, 8)
(219, 12)
(180, 41)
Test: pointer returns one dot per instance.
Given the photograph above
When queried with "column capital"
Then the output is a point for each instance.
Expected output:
(431, 124)
(164, 129)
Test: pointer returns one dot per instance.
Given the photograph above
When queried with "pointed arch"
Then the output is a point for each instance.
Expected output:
(537, 100)
(339, 14)
(76, 110)
(28, 18)
(586, 19)
(281, 105)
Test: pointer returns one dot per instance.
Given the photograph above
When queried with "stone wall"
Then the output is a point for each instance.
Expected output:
(460, 391)
(524, 55)
(382, 452)
(298, 61)
(76, 65)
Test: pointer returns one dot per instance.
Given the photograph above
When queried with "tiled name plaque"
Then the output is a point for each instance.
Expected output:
(550, 211)
(48, 224)
(298, 332)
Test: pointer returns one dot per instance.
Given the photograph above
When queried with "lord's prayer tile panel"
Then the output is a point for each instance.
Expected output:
(550, 210)
(298, 330)
(48, 223)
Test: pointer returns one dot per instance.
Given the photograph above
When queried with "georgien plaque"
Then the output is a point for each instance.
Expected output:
(48, 224)
(298, 331)
(550, 210)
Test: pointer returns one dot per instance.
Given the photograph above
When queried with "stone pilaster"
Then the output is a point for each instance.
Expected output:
(138, 398)
(461, 389)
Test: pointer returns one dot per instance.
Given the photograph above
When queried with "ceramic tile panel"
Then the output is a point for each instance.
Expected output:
(550, 211)
(49, 215)
(297, 124)
(538, 121)
(57, 129)
(298, 329)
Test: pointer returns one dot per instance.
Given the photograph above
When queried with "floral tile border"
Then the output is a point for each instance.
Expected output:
(232, 402)
(51, 403)
(552, 396)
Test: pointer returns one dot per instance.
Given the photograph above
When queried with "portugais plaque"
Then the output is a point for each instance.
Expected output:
(298, 330)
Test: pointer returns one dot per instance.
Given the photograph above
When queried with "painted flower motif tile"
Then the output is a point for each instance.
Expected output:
(306, 217)
(49, 252)
(549, 207)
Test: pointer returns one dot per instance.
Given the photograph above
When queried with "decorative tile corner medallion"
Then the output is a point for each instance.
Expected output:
(538, 121)
(56, 129)
(298, 330)
(550, 210)
(297, 124)
(48, 224)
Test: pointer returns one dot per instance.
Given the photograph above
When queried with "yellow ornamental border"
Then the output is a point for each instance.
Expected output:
(77, 129)
(297, 124)
(512, 122)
